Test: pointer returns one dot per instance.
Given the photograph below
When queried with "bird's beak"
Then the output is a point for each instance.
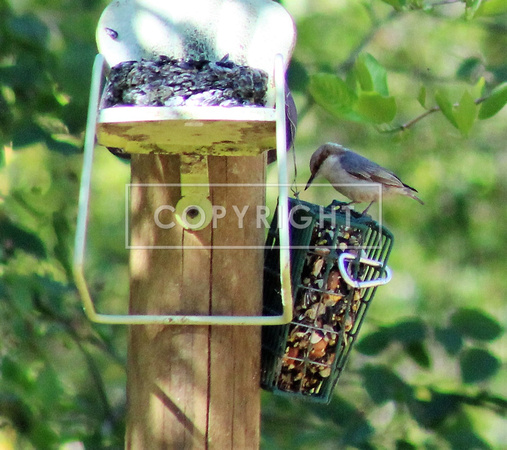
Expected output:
(309, 181)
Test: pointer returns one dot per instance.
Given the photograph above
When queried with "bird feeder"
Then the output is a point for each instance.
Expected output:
(256, 34)
(195, 154)
(339, 258)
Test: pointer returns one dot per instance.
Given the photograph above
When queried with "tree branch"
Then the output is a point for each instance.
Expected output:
(426, 113)
(417, 119)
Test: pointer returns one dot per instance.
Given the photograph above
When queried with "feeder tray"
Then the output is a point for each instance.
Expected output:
(338, 259)
(182, 106)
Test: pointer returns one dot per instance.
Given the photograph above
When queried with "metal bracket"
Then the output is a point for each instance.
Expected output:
(194, 210)
(283, 214)
(362, 260)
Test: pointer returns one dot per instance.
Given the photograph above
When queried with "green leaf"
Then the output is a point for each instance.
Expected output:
(375, 108)
(465, 113)
(374, 343)
(383, 384)
(446, 107)
(374, 74)
(402, 444)
(494, 103)
(358, 433)
(421, 97)
(363, 75)
(356, 428)
(450, 339)
(14, 237)
(29, 30)
(469, 68)
(28, 134)
(15, 373)
(431, 412)
(396, 4)
(339, 411)
(492, 8)
(409, 331)
(332, 93)
(418, 352)
(297, 76)
(477, 365)
(476, 324)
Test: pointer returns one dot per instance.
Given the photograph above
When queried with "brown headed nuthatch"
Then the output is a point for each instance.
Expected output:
(355, 176)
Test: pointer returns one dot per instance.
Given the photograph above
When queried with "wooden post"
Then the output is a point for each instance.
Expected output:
(193, 387)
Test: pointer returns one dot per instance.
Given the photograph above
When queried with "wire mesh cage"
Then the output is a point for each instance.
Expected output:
(338, 258)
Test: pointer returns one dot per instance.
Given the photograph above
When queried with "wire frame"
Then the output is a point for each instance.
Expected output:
(306, 357)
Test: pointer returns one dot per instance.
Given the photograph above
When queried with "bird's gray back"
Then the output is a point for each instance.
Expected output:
(363, 168)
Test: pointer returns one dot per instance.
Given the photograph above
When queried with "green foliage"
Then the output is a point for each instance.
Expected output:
(374, 108)
(472, 8)
(333, 94)
(475, 324)
(57, 373)
(426, 370)
(477, 365)
(364, 97)
(383, 385)
(494, 103)
(461, 115)
(491, 8)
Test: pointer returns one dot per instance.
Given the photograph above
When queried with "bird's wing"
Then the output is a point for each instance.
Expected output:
(362, 168)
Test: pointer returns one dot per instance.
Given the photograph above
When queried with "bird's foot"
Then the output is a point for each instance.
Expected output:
(337, 205)
(364, 213)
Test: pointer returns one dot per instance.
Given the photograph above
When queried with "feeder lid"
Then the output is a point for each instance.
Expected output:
(251, 32)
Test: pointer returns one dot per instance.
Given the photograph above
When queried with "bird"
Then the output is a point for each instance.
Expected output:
(355, 176)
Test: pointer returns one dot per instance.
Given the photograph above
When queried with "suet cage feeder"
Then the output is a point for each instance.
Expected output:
(339, 257)
(257, 33)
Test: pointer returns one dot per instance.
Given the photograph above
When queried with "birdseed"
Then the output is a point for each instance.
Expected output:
(174, 82)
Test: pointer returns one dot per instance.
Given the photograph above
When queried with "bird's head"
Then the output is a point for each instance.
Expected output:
(320, 155)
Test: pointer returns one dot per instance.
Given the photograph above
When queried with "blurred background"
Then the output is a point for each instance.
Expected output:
(415, 85)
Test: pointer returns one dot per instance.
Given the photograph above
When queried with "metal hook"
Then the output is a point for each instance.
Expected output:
(362, 260)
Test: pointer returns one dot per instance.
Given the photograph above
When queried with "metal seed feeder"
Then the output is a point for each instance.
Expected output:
(258, 34)
(339, 257)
